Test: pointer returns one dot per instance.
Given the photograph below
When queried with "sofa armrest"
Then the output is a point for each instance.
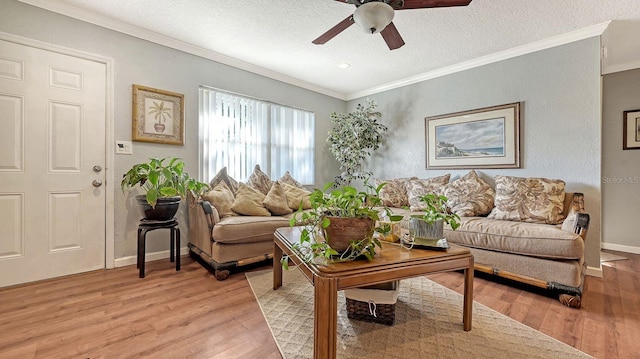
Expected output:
(202, 218)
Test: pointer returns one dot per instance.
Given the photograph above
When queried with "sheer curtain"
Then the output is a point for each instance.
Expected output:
(239, 132)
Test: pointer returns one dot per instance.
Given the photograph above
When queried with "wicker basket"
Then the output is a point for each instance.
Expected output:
(371, 312)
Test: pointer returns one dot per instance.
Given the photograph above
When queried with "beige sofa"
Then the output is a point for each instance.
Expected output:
(230, 242)
(549, 256)
(238, 229)
(541, 255)
(524, 229)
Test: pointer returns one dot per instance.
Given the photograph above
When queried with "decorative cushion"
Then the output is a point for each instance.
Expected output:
(296, 195)
(534, 200)
(249, 202)
(260, 180)
(469, 196)
(394, 193)
(276, 200)
(286, 178)
(222, 176)
(416, 188)
(221, 198)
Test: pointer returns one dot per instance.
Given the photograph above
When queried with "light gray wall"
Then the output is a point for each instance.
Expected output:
(559, 88)
(560, 120)
(620, 169)
(141, 62)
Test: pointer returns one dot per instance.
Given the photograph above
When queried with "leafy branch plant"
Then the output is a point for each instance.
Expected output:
(353, 137)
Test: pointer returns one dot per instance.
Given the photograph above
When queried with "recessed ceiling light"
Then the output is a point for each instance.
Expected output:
(343, 65)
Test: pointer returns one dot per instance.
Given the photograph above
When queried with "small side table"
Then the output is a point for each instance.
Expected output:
(150, 225)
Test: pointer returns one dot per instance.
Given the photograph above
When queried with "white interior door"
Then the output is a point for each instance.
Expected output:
(52, 159)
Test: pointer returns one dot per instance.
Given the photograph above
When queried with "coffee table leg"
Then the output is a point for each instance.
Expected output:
(468, 297)
(325, 318)
(277, 267)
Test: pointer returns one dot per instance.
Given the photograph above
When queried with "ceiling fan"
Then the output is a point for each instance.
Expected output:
(375, 16)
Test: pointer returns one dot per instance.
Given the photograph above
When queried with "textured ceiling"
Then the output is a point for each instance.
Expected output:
(273, 37)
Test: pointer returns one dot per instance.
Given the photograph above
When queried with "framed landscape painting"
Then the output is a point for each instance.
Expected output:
(484, 138)
(158, 116)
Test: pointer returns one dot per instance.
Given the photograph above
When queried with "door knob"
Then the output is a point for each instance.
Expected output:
(96, 183)
(97, 168)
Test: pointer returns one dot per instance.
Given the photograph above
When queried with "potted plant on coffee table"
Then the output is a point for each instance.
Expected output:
(428, 228)
(339, 226)
(165, 184)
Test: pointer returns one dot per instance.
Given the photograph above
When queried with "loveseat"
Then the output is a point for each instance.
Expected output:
(233, 225)
(530, 231)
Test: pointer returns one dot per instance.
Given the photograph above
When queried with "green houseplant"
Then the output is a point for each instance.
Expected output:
(429, 225)
(164, 182)
(353, 137)
(324, 237)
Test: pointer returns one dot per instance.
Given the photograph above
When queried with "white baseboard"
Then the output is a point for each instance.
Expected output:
(620, 248)
(127, 261)
(594, 272)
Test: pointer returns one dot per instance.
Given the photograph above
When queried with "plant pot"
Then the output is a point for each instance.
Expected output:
(165, 209)
(420, 229)
(342, 231)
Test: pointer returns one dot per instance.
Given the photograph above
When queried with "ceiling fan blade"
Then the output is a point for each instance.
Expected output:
(340, 27)
(392, 37)
(422, 4)
(354, 2)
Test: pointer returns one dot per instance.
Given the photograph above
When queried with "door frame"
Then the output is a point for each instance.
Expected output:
(109, 249)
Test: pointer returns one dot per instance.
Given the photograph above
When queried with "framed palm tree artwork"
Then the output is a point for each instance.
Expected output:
(158, 116)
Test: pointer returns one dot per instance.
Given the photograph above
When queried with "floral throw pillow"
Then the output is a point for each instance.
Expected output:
(260, 180)
(416, 188)
(535, 200)
(469, 196)
(394, 193)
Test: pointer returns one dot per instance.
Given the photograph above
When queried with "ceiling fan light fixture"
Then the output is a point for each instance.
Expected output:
(373, 17)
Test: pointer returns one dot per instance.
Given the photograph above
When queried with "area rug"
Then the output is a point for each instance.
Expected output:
(428, 324)
(610, 257)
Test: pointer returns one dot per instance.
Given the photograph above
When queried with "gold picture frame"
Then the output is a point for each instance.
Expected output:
(158, 116)
(483, 138)
(631, 130)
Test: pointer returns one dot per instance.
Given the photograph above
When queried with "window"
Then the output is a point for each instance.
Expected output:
(239, 132)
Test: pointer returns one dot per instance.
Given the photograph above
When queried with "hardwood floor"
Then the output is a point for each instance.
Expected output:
(189, 314)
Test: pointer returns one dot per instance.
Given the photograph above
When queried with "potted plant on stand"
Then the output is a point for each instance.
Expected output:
(339, 226)
(352, 139)
(165, 184)
(428, 229)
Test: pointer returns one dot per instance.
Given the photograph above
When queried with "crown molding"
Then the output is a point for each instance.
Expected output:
(135, 31)
(580, 34)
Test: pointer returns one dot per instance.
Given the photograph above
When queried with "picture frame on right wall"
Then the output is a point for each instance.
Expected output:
(631, 130)
(482, 138)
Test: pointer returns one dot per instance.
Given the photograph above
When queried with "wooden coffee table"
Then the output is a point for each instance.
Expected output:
(390, 263)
